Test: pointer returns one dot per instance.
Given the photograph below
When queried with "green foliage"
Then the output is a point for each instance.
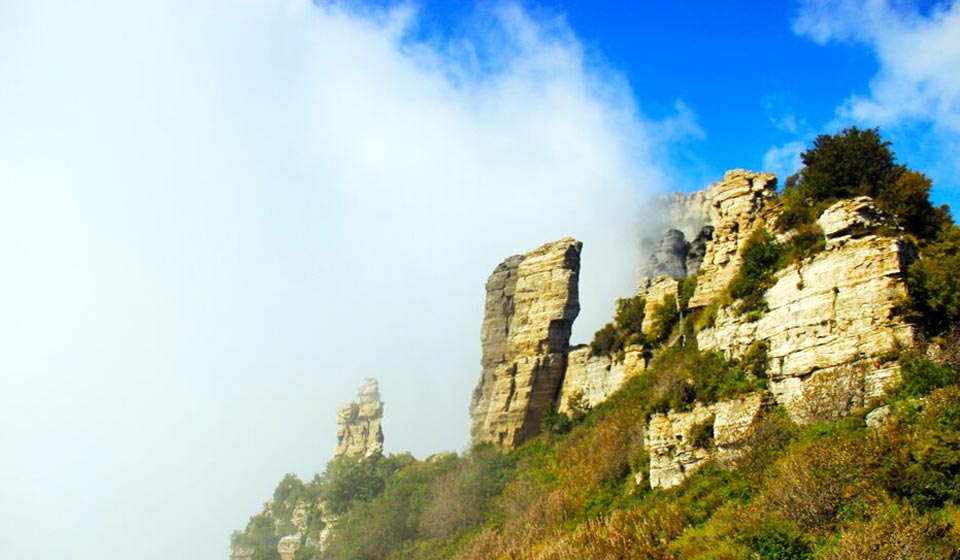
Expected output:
(678, 377)
(701, 434)
(348, 481)
(665, 318)
(762, 256)
(624, 331)
(934, 282)
(859, 162)
(773, 539)
(755, 361)
(807, 241)
(909, 200)
(555, 422)
(920, 376)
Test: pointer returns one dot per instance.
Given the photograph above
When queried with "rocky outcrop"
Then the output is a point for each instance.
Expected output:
(662, 291)
(670, 257)
(359, 433)
(242, 553)
(682, 442)
(831, 332)
(597, 377)
(698, 250)
(738, 207)
(288, 546)
(532, 301)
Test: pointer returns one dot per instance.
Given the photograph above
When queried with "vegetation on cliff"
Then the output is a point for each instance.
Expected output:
(881, 482)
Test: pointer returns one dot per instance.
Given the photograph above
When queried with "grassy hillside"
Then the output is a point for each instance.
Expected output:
(835, 489)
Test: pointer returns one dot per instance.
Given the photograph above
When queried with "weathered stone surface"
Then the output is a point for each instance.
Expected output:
(670, 257)
(288, 546)
(831, 331)
(655, 293)
(359, 430)
(532, 301)
(738, 204)
(242, 553)
(597, 377)
(851, 218)
(698, 250)
(673, 454)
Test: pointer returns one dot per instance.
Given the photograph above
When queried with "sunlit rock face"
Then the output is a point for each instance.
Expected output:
(359, 433)
(532, 301)
(831, 331)
(737, 208)
(682, 442)
(595, 378)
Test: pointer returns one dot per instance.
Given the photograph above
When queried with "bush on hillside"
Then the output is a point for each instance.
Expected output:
(762, 256)
(934, 282)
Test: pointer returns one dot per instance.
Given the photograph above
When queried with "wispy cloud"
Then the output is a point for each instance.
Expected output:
(218, 216)
(915, 94)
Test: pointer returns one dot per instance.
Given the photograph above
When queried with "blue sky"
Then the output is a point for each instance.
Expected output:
(217, 218)
(749, 74)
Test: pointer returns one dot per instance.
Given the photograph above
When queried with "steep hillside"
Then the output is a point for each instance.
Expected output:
(784, 384)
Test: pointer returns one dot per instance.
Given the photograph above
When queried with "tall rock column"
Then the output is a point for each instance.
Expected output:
(737, 208)
(532, 301)
(359, 433)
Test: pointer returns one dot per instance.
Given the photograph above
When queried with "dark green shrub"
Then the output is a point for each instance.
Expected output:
(921, 376)
(624, 331)
(605, 341)
(762, 256)
(665, 318)
(806, 242)
(755, 360)
(701, 434)
(934, 283)
(773, 539)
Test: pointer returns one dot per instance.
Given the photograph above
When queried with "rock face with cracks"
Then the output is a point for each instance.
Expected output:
(597, 377)
(681, 442)
(359, 433)
(737, 209)
(532, 301)
(831, 332)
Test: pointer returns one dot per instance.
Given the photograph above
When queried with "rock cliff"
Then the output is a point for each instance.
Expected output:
(681, 442)
(737, 207)
(831, 332)
(532, 301)
(359, 433)
(597, 377)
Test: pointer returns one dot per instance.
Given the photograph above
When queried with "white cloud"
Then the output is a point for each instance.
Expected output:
(218, 217)
(918, 56)
(784, 160)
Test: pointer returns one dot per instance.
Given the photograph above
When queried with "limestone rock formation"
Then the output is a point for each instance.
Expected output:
(532, 301)
(597, 377)
(359, 433)
(663, 289)
(672, 438)
(698, 250)
(738, 208)
(831, 330)
(288, 546)
(670, 257)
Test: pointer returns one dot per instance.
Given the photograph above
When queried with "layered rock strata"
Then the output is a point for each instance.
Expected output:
(738, 207)
(597, 377)
(682, 442)
(532, 301)
(359, 430)
(831, 332)
(662, 291)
